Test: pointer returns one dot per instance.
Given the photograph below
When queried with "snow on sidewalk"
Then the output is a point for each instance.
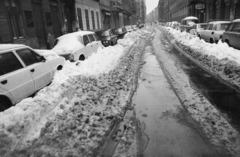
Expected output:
(74, 85)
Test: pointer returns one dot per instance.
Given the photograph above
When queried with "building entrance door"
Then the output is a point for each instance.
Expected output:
(39, 25)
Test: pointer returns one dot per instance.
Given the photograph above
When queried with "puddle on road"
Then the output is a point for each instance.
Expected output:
(165, 129)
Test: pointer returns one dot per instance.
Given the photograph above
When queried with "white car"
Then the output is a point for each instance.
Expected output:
(23, 71)
(77, 46)
(129, 28)
(214, 31)
(197, 27)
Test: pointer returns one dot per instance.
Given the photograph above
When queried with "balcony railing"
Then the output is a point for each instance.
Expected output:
(116, 5)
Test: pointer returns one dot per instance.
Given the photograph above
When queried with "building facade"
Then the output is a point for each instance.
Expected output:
(160, 10)
(30, 22)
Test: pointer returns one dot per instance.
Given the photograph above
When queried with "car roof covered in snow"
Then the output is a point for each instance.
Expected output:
(236, 20)
(190, 18)
(218, 22)
(4, 47)
(76, 34)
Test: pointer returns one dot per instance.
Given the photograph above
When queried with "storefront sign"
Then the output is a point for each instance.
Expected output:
(200, 6)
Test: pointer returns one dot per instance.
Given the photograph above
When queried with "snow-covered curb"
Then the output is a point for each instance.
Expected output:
(73, 114)
(215, 127)
(220, 59)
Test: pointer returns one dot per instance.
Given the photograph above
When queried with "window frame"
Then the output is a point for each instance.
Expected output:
(16, 57)
(84, 40)
(238, 23)
(38, 60)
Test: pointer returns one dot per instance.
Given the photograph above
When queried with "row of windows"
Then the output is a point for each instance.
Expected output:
(88, 19)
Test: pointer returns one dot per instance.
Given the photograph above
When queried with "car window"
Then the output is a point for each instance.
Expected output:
(203, 26)
(28, 56)
(230, 27)
(215, 27)
(210, 27)
(91, 37)
(96, 37)
(236, 27)
(85, 40)
(9, 63)
(224, 26)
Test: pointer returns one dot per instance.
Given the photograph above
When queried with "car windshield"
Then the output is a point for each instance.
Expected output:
(223, 26)
(105, 33)
(203, 25)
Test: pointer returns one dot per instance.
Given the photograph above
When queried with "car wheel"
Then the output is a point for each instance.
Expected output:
(81, 58)
(211, 41)
(227, 42)
(4, 104)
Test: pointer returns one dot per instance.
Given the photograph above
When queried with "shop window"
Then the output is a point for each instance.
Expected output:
(93, 19)
(87, 19)
(79, 11)
(29, 18)
(48, 19)
(98, 23)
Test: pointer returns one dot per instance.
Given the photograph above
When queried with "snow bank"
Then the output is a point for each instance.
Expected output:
(220, 59)
(77, 109)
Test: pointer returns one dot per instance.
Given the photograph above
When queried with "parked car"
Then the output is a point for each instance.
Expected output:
(77, 46)
(232, 34)
(187, 23)
(134, 27)
(197, 27)
(23, 71)
(214, 31)
(108, 37)
(120, 32)
(129, 28)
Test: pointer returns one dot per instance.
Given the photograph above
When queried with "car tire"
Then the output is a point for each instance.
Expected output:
(4, 104)
(211, 41)
(227, 42)
(81, 58)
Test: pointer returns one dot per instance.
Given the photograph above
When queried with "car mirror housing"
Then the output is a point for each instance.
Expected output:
(43, 59)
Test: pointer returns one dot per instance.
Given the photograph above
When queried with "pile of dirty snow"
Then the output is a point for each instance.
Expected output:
(71, 116)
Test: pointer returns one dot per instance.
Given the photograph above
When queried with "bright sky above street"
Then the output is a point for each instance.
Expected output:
(151, 4)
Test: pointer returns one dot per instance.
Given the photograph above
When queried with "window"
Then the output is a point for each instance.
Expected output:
(80, 18)
(9, 63)
(230, 27)
(48, 19)
(93, 20)
(87, 19)
(98, 21)
(29, 19)
(236, 28)
(85, 40)
(210, 27)
(224, 26)
(96, 37)
(28, 56)
(91, 37)
(16, 25)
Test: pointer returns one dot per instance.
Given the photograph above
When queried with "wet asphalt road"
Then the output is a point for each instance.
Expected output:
(165, 128)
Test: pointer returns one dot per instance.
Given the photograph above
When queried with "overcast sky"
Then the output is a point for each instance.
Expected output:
(151, 4)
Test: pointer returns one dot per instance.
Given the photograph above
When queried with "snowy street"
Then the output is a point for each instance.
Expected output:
(131, 99)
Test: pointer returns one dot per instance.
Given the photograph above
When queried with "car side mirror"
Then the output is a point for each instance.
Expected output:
(43, 59)
(212, 33)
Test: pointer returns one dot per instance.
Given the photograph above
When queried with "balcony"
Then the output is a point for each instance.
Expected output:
(116, 5)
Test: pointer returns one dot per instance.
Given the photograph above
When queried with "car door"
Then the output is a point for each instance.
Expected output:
(235, 36)
(39, 68)
(14, 78)
(207, 33)
(88, 46)
(93, 42)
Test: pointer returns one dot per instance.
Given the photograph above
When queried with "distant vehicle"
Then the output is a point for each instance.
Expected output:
(187, 23)
(140, 25)
(108, 37)
(232, 34)
(23, 71)
(174, 24)
(214, 31)
(197, 27)
(134, 27)
(120, 32)
(77, 46)
(129, 28)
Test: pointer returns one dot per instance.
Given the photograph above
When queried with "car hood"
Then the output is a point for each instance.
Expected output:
(105, 38)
